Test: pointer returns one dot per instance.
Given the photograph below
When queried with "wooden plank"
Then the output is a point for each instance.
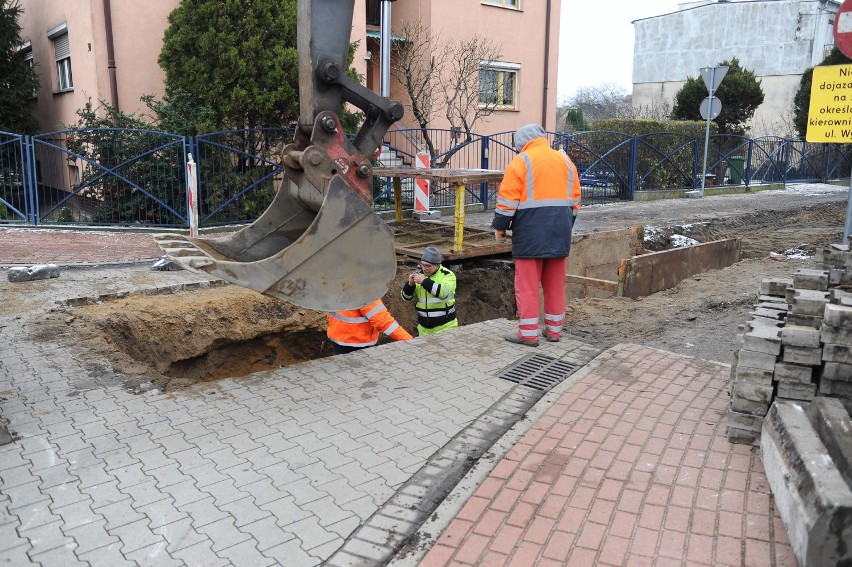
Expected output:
(592, 282)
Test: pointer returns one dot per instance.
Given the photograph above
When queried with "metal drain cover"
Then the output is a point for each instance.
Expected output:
(537, 371)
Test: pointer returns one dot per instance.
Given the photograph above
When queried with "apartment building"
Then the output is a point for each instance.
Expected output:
(107, 50)
(776, 39)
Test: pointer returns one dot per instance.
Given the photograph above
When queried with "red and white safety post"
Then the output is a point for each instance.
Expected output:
(421, 186)
(192, 195)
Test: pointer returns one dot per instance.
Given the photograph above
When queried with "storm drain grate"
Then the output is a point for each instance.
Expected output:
(538, 372)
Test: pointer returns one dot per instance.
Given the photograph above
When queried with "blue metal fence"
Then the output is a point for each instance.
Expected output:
(138, 177)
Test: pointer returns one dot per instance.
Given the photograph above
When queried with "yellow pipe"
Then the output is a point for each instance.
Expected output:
(459, 217)
(397, 199)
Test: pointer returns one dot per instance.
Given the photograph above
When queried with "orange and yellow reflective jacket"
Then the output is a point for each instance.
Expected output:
(538, 196)
(361, 327)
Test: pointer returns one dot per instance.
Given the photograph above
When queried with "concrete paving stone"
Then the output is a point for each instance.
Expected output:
(267, 533)
(174, 443)
(837, 371)
(345, 527)
(223, 534)
(297, 457)
(119, 459)
(153, 459)
(245, 511)
(207, 443)
(291, 553)
(47, 457)
(78, 514)
(327, 510)
(144, 493)
(64, 556)
(189, 458)
(160, 513)
(184, 493)
(378, 442)
(35, 516)
(260, 457)
(246, 553)
(224, 492)
(263, 491)
(390, 473)
(203, 511)
(136, 535)
(378, 489)
(281, 474)
(126, 430)
(106, 556)
(806, 356)
(17, 555)
(311, 534)
(179, 535)
(46, 537)
(383, 538)
(369, 553)
(70, 443)
(129, 476)
(64, 494)
(24, 495)
(169, 475)
(835, 335)
(285, 510)
(104, 493)
(154, 556)
(201, 554)
(83, 459)
(12, 477)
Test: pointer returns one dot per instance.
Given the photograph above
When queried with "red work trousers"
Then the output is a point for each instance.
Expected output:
(547, 274)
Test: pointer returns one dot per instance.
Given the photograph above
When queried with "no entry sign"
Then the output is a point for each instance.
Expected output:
(843, 28)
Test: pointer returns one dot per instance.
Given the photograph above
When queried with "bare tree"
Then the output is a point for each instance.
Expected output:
(442, 76)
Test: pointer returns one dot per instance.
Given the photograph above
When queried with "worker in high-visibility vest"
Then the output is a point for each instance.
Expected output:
(434, 287)
(538, 200)
(356, 329)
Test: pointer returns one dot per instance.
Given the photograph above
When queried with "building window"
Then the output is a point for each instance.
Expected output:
(498, 85)
(63, 62)
(26, 50)
(514, 4)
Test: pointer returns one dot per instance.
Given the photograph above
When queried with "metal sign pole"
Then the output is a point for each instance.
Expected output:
(707, 133)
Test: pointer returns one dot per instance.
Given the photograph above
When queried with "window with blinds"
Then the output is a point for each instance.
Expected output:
(63, 62)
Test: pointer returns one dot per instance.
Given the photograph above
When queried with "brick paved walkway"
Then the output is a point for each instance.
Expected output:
(29, 246)
(630, 466)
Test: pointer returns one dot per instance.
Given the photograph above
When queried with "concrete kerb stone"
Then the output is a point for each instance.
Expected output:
(429, 532)
(32, 273)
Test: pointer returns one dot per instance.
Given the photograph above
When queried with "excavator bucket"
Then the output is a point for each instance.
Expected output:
(319, 245)
(339, 258)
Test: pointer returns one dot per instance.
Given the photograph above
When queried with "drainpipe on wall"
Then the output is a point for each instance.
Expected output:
(113, 82)
(546, 66)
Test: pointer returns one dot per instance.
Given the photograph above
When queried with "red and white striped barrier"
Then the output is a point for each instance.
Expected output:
(421, 186)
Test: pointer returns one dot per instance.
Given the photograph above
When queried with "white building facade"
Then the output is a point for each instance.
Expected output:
(776, 39)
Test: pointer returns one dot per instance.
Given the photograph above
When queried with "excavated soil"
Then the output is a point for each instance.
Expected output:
(182, 338)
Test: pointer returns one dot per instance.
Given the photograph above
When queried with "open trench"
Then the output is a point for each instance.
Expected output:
(177, 339)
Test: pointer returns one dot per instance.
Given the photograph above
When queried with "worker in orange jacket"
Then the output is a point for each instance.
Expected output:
(538, 200)
(355, 329)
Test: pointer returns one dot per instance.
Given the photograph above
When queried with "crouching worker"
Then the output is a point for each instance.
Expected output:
(356, 329)
(435, 290)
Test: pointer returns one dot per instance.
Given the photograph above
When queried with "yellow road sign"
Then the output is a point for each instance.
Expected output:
(830, 111)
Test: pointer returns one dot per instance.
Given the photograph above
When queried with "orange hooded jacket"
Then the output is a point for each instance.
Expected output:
(360, 328)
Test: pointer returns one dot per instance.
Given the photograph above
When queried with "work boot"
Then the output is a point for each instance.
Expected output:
(550, 338)
(514, 338)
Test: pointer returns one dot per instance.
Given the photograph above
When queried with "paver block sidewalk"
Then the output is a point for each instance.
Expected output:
(25, 246)
(630, 466)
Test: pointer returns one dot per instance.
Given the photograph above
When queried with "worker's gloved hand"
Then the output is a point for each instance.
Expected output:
(499, 236)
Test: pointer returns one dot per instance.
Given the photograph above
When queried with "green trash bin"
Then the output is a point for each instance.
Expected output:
(736, 163)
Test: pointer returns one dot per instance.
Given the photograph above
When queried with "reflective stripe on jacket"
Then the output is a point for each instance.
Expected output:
(361, 327)
(538, 195)
(436, 298)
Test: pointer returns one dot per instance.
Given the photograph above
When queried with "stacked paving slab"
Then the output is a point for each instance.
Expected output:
(791, 394)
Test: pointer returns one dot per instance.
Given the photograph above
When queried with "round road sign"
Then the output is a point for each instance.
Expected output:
(710, 108)
(843, 28)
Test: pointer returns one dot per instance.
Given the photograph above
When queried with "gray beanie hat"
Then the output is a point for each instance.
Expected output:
(432, 255)
(526, 133)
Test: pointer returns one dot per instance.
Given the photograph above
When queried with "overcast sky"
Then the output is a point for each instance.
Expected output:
(596, 42)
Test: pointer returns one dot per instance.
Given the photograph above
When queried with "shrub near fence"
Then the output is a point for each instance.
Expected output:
(137, 178)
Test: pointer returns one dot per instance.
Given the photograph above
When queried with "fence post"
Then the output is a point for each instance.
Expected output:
(483, 159)
(29, 176)
(747, 169)
(631, 179)
(192, 196)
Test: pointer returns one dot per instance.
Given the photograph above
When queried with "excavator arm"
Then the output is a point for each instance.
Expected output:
(319, 244)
